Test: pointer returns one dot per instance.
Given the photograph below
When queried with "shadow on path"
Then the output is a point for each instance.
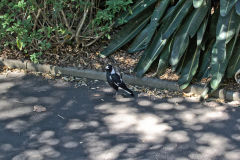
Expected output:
(87, 123)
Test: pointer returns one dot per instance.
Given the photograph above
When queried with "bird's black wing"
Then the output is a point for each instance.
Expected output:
(116, 79)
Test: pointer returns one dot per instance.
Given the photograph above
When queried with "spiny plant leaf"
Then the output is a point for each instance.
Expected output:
(197, 3)
(174, 21)
(150, 54)
(127, 33)
(226, 6)
(226, 29)
(143, 39)
(138, 7)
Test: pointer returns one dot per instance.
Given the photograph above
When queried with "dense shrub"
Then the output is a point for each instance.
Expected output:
(34, 26)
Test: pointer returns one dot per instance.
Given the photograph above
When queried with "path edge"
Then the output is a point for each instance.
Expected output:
(133, 80)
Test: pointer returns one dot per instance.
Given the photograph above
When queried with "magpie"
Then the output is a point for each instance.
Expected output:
(115, 80)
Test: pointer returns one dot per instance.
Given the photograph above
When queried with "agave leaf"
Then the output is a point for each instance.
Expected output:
(205, 62)
(197, 3)
(218, 68)
(163, 59)
(237, 6)
(226, 28)
(143, 39)
(137, 8)
(174, 21)
(226, 6)
(150, 54)
(189, 29)
(189, 70)
(127, 33)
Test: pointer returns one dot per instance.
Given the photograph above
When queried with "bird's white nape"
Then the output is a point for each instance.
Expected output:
(113, 71)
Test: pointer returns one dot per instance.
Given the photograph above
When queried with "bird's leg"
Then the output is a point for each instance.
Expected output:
(116, 93)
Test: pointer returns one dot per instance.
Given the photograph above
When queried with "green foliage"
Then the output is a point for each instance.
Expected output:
(33, 26)
(105, 18)
(35, 57)
(196, 37)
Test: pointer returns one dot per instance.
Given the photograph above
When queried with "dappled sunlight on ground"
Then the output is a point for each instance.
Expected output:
(88, 123)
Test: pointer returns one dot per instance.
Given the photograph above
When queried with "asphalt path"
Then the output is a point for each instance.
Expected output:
(43, 119)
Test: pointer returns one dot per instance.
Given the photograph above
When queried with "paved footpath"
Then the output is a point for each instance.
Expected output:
(44, 119)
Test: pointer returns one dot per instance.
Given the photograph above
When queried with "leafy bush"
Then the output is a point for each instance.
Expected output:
(197, 38)
(34, 26)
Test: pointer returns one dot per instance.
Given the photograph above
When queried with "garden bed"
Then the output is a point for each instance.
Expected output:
(88, 58)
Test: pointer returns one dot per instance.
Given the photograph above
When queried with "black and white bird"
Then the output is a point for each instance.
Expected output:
(115, 80)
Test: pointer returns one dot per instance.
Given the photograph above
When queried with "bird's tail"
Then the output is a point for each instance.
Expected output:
(128, 90)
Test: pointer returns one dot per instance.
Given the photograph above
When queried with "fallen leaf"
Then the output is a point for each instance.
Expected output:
(39, 108)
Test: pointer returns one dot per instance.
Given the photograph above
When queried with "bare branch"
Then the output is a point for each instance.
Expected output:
(37, 16)
(93, 41)
(80, 25)
(66, 21)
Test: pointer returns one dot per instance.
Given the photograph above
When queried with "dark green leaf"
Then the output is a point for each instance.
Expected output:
(189, 29)
(201, 31)
(197, 18)
(180, 45)
(218, 68)
(163, 59)
(205, 62)
(213, 21)
(172, 10)
(143, 39)
(127, 33)
(189, 70)
(150, 54)
(234, 63)
(226, 28)
(176, 19)
(138, 7)
(181, 63)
